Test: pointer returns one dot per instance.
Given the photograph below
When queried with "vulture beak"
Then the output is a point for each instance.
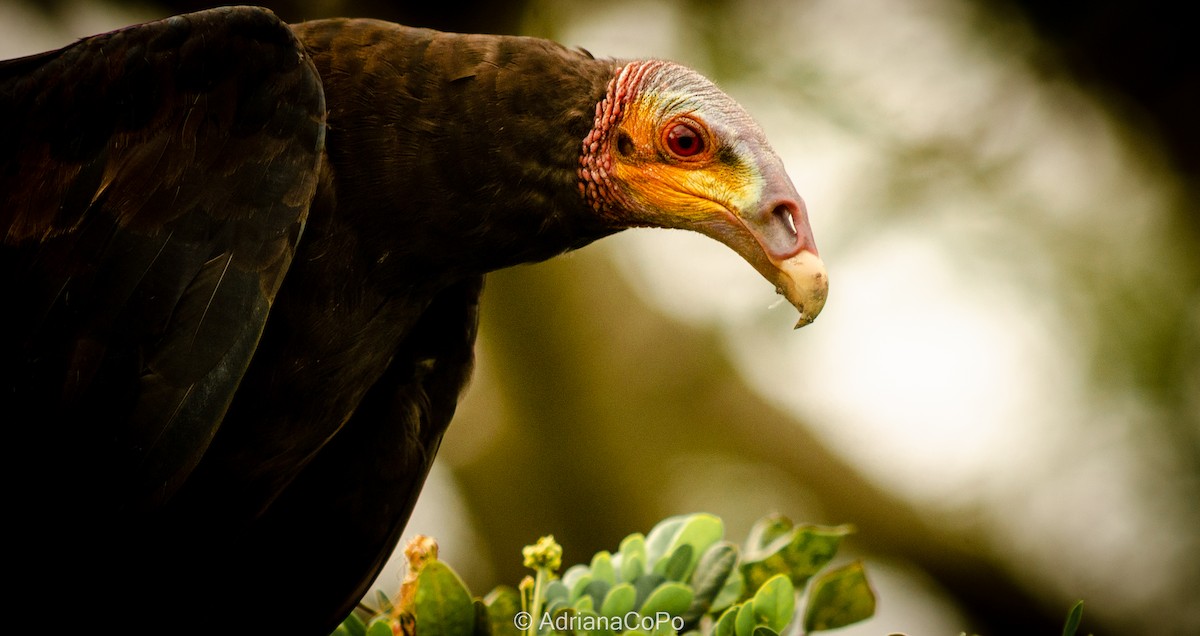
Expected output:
(797, 270)
(787, 254)
(772, 233)
(804, 282)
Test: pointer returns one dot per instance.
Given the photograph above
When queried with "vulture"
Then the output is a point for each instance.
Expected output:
(240, 273)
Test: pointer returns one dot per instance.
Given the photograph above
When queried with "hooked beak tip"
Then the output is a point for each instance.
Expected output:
(804, 282)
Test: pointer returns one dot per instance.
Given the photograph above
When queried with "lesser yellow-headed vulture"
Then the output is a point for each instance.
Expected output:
(241, 263)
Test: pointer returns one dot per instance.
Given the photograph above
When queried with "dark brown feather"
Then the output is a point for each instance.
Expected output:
(153, 185)
(246, 446)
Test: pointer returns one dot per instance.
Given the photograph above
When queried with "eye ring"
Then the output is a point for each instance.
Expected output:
(685, 139)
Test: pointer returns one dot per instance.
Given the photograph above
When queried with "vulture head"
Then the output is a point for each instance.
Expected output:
(669, 149)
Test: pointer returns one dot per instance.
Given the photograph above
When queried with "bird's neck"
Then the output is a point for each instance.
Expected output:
(457, 154)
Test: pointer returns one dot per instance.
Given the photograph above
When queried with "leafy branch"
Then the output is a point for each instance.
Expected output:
(681, 577)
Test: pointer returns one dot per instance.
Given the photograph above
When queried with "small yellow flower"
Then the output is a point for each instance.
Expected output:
(543, 555)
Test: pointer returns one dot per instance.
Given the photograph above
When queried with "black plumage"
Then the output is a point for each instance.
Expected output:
(241, 263)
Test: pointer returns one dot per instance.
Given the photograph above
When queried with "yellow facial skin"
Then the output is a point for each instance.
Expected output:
(733, 188)
(678, 191)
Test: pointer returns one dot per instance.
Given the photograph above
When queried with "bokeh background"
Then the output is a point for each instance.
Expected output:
(1003, 393)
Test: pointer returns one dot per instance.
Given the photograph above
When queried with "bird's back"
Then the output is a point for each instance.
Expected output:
(243, 264)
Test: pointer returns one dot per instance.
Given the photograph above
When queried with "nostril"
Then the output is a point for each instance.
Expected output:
(781, 227)
(784, 212)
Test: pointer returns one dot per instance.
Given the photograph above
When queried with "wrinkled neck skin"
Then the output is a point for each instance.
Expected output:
(485, 141)
(595, 162)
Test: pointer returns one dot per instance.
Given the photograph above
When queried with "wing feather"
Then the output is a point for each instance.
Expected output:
(154, 183)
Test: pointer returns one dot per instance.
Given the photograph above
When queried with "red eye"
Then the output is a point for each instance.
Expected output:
(684, 140)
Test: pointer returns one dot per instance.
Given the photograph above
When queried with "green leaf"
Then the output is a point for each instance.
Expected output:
(633, 557)
(838, 598)
(562, 621)
(730, 592)
(763, 630)
(602, 568)
(632, 566)
(580, 585)
(584, 604)
(659, 541)
(379, 626)
(385, 603)
(672, 598)
(697, 531)
(555, 590)
(700, 531)
(771, 608)
(725, 624)
(676, 567)
(573, 574)
(352, 626)
(555, 606)
(1073, 619)
(597, 589)
(503, 603)
(746, 620)
(775, 602)
(617, 560)
(442, 603)
(714, 568)
(619, 600)
(483, 622)
(800, 554)
(645, 584)
(766, 530)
